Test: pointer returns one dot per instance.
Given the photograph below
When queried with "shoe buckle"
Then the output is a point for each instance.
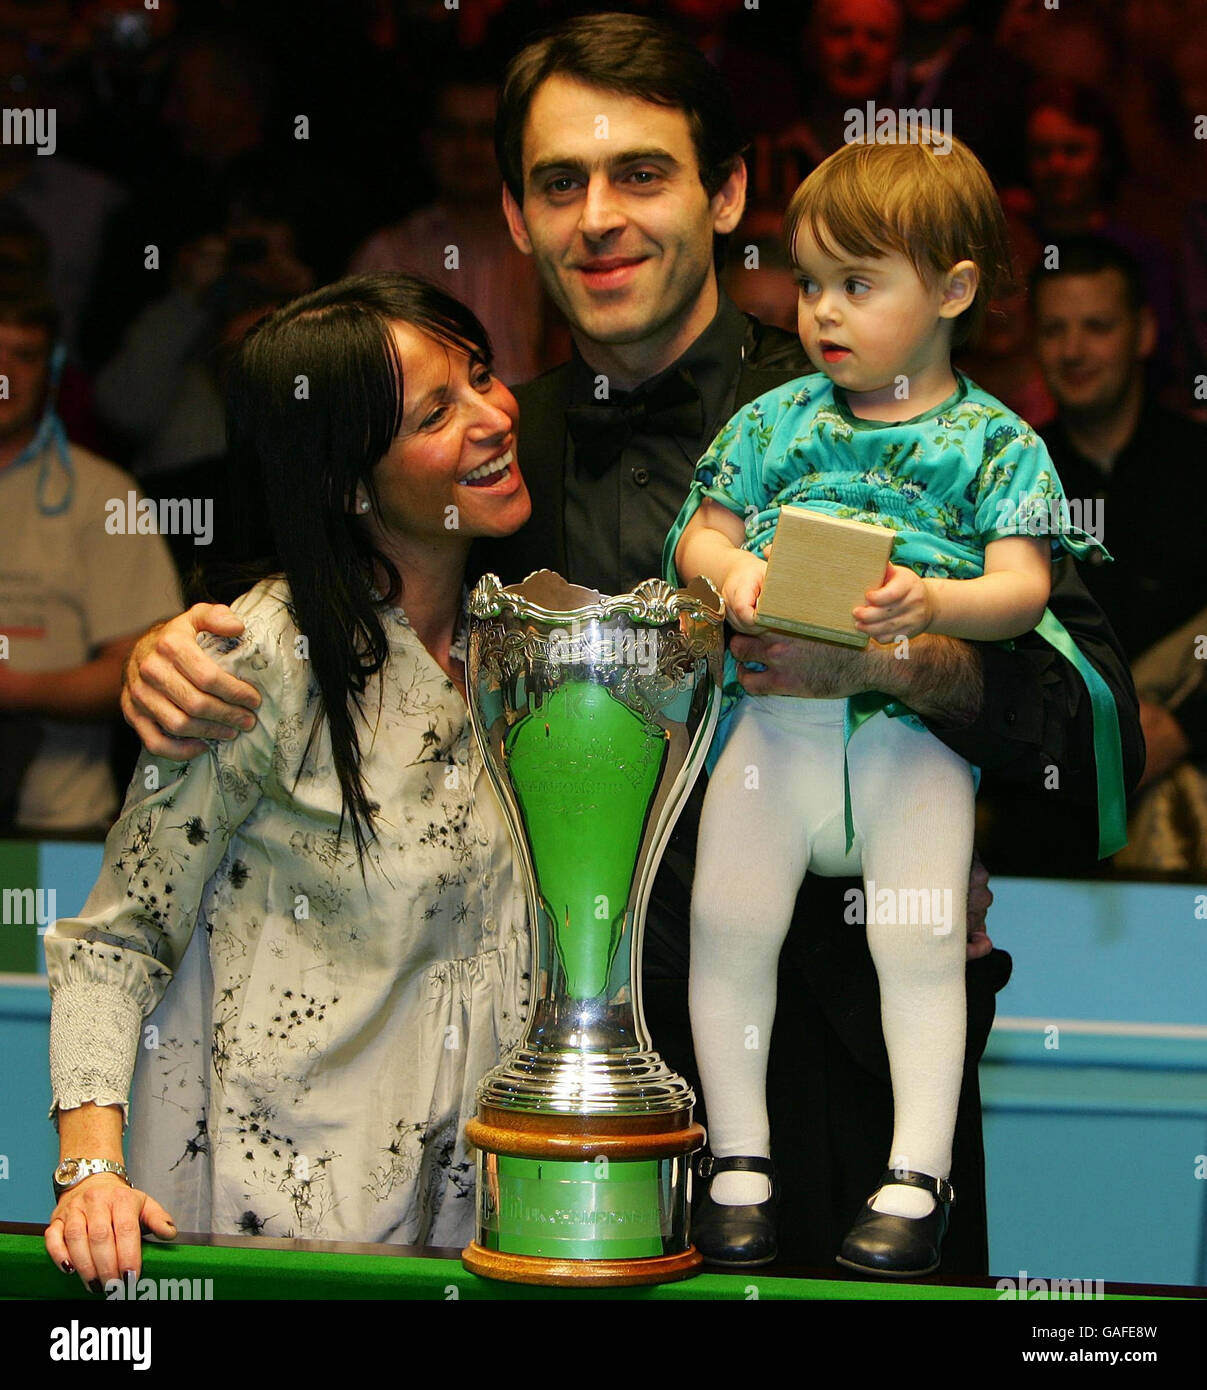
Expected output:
(704, 1166)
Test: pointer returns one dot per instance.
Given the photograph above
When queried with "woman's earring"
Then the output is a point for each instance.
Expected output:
(364, 504)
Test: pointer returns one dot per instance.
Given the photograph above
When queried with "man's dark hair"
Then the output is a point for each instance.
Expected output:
(1090, 255)
(632, 56)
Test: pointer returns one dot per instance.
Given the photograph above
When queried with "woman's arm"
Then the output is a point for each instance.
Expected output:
(1006, 601)
(711, 545)
(109, 968)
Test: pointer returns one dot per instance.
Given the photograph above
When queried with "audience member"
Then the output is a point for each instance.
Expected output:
(848, 48)
(459, 241)
(74, 591)
(1114, 445)
(161, 389)
(1128, 467)
(946, 64)
(1094, 332)
(25, 262)
(1075, 162)
(69, 204)
(217, 107)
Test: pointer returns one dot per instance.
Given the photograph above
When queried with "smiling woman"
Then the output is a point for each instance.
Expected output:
(449, 474)
(365, 953)
(403, 370)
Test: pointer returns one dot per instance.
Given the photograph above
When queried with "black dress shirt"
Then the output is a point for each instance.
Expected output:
(616, 521)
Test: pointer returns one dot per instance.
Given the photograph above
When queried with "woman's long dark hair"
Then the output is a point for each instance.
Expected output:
(315, 398)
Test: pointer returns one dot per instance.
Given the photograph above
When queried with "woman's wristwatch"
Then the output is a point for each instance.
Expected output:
(75, 1170)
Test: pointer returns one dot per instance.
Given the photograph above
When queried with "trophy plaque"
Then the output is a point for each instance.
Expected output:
(594, 714)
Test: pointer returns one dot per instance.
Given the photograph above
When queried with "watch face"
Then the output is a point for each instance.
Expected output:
(67, 1170)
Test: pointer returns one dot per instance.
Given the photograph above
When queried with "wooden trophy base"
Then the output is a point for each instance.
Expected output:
(548, 1212)
(581, 1274)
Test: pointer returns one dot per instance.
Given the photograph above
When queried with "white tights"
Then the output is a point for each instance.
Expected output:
(774, 809)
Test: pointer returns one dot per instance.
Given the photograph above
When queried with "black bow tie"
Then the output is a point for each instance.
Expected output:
(600, 432)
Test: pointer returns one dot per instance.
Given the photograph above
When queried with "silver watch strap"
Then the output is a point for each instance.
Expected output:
(81, 1168)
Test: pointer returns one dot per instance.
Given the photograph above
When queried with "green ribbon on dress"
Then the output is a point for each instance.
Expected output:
(1108, 746)
(860, 708)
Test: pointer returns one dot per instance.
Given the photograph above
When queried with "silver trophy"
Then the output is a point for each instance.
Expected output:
(594, 715)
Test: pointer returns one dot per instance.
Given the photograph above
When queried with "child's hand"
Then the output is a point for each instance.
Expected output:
(741, 592)
(901, 607)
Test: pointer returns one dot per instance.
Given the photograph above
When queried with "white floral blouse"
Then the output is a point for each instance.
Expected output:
(315, 1055)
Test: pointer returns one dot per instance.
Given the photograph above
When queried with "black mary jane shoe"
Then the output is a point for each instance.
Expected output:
(899, 1247)
(738, 1236)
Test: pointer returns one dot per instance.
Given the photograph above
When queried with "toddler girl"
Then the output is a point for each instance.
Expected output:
(897, 248)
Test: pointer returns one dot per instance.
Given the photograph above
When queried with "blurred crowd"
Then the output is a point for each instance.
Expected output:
(212, 160)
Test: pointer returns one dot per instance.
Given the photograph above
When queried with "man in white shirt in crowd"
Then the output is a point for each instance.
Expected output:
(74, 591)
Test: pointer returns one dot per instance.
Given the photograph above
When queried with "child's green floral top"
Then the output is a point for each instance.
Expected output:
(948, 482)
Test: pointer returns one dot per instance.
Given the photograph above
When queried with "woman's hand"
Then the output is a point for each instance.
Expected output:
(175, 696)
(901, 607)
(741, 591)
(96, 1229)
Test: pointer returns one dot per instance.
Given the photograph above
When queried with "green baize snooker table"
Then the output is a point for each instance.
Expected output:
(248, 1267)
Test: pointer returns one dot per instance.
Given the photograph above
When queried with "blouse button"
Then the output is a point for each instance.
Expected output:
(641, 476)
(489, 923)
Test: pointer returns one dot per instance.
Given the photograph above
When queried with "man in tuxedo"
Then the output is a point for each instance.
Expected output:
(623, 176)
(622, 172)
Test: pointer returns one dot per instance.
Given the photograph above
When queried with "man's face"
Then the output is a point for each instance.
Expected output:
(1065, 161)
(24, 355)
(615, 214)
(1089, 341)
(461, 145)
(856, 44)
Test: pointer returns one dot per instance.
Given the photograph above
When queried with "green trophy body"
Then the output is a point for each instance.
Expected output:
(584, 768)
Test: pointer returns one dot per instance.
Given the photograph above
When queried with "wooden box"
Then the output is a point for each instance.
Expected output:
(821, 567)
